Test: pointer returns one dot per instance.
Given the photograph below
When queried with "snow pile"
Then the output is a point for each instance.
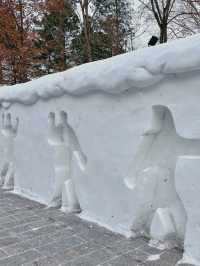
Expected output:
(135, 70)
(114, 156)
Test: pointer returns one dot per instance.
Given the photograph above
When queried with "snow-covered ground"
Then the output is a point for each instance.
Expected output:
(117, 140)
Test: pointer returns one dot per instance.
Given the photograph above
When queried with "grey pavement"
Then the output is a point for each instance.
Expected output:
(31, 234)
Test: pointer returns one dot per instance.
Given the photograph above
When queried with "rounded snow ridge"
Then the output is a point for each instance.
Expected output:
(135, 70)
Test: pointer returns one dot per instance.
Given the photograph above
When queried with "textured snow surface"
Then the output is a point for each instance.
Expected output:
(135, 70)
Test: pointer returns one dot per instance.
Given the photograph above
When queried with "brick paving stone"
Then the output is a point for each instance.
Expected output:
(56, 246)
(3, 254)
(45, 230)
(150, 250)
(66, 256)
(32, 243)
(126, 245)
(20, 259)
(156, 263)
(133, 258)
(171, 256)
(50, 261)
(64, 233)
(94, 258)
(5, 241)
(186, 264)
(33, 235)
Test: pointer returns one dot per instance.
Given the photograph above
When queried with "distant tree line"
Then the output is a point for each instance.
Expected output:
(42, 37)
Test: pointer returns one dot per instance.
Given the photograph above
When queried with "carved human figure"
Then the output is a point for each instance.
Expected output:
(64, 142)
(152, 177)
(187, 186)
(9, 133)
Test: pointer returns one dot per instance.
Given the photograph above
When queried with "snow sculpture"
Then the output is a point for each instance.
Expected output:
(188, 188)
(153, 175)
(64, 142)
(110, 103)
(9, 133)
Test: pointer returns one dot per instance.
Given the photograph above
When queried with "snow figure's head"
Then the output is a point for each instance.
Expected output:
(51, 119)
(63, 117)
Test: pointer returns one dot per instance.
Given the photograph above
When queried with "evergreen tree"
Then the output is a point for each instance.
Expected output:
(55, 31)
(114, 19)
(109, 26)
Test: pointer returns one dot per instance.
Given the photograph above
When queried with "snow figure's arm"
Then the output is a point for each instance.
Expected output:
(157, 120)
(55, 134)
(3, 121)
(8, 130)
(72, 139)
(76, 147)
(139, 161)
(6, 124)
(160, 117)
(15, 128)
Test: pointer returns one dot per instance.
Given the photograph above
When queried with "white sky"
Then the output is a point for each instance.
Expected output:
(146, 30)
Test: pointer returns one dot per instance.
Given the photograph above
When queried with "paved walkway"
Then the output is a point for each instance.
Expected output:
(33, 235)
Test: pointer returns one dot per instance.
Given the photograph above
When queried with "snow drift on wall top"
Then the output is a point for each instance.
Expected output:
(135, 70)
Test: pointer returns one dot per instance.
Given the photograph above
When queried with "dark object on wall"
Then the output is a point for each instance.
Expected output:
(153, 41)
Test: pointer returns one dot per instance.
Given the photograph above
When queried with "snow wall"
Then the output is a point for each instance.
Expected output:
(117, 141)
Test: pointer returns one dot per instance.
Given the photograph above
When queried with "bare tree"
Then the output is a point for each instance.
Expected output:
(164, 13)
(192, 9)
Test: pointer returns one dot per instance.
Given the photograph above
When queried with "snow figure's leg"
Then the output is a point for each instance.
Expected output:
(9, 131)
(144, 191)
(168, 224)
(188, 188)
(61, 174)
(3, 172)
(70, 202)
(9, 178)
(139, 161)
(162, 227)
(141, 222)
(179, 219)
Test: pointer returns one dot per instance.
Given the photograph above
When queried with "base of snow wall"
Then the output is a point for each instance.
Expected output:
(109, 129)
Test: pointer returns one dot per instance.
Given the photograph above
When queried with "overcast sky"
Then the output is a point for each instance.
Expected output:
(146, 30)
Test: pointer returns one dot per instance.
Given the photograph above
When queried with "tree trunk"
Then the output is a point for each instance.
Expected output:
(117, 31)
(1, 73)
(85, 14)
(163, 33)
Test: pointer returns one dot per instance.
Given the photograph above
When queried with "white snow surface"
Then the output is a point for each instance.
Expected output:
(131, 71)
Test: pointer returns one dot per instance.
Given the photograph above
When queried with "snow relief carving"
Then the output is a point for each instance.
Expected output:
(112, 108)
(160, 213)
(63, 140)
(8, 134)
(187, 185)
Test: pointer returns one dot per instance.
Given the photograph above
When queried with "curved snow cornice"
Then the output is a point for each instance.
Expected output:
(136, 70)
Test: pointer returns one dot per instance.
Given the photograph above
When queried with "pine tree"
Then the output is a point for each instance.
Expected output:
(114, 19)
(55, 32)
(108, 28)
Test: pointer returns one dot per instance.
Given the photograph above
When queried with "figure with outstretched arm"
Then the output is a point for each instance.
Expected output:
(9, 133)
(69, 133)
(64, 142)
